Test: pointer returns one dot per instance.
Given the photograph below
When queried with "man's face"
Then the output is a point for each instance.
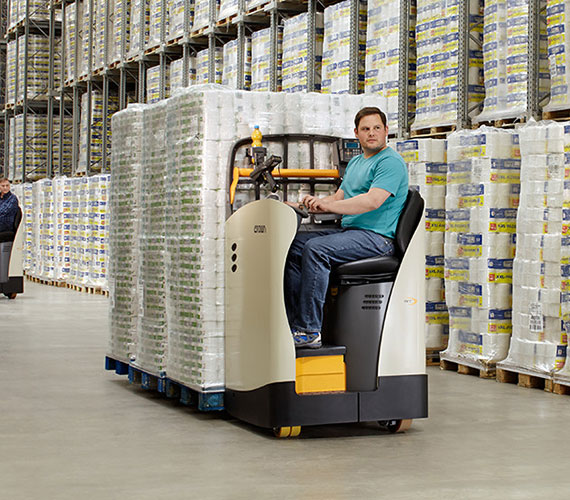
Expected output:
(4, 187)
(371, 133)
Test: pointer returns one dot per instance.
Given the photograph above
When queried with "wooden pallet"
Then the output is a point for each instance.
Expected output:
(484, 371)
(437, 132)
(114, 65)
(503, 123)
(151, 50)
(42, 281)
(432, 356)
(199, 32)
(174, 41)
(227, 21)
(257, 10)
(522, 379)
(560, 115)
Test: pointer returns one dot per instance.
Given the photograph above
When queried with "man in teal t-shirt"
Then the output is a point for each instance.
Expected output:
(370, 200)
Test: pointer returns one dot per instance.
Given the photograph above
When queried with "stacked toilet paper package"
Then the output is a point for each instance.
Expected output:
(153, 85)
(176, 74)
(383, 56)
(227, 9)
(103, 20)
(296, 64)
(151, 333)
(63, 218)
(203, 64)
(202, 14)
(437, 37)
(176, 18)
(98, 231)
(427, 168)
(538, 343)
(121, 30)
(505, 55)
(124, 230)
(558, 28)
(261, 59)
(230, 65)
(483, 188)
(38, 10)
(139, 27)
(337, 50)
(155, 23)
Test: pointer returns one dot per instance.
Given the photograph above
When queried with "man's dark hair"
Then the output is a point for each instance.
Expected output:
(2, 178)
(369, 111)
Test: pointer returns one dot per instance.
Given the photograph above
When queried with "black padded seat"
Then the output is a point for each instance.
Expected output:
(6, 236)
(383, 268)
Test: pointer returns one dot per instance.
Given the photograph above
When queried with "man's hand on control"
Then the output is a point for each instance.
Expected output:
(315, 205)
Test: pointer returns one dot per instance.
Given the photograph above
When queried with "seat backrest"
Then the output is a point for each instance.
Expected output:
(409, 220)
(17, 219)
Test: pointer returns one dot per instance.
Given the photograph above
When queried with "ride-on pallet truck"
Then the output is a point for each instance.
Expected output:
(372, 363)
(11, 260)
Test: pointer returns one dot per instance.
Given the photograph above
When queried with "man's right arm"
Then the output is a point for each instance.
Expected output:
(310, 200)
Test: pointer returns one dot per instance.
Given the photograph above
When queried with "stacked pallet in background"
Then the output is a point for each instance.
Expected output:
(230, 65)
(482, 195)
(153, 85)
(63, 187)
(295, 66)
(539, 340)
(261, 59)
(558, 29)
(203, 62)
(505, 56)
(176, 74)
(176, 18)
(139, 27)
(337, 48)
(124, 230)
(428, 173)
(383, 56)
(437, 37)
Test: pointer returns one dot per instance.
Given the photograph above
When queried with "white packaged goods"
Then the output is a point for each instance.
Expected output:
(228, 8)
(152, 333)
(26, 203)
(505, 55)
(153, 85)
(539, 339)
(63, 218)
(98, 236)
(558, 27)
(176, 72)
(121, 32)
(383, 56)
(35, 143)
(73, 40)
(296, 64)
(124, 230)
(427, 173)
(202, 65)
(483, 186)
(155, 28)
(139, 30)
(176, 18)
(437, 36)
(104, 22)
(202, 14)
(87, 27)
(261, 63)
(37, 10)
(38, 63)
(92, 133)
(230, 65)
(62, 147)
(336, 48)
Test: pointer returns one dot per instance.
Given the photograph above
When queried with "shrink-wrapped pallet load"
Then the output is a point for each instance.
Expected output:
(155, 24)
(437, 36)
(296, 65)
(558, 34)
(505, 56)
(124, 231)
(261, 63)
(176, 14)
(337, 48)
(33, 146)
(152, 332)
(538, 343)
(121, 32)
(139, 28)
(98, 209)
(228, 9)
(176, 74)
(153, 85)
(73, 40)
(383, 56)
(202, 14)
(482, 196)
(63, 218)
(203, 65)
(230, 65)
(428, 174)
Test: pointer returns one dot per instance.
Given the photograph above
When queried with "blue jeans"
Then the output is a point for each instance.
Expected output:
(311, 257)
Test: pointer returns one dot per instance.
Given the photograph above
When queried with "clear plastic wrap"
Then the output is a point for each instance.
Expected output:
(153, 85)
(505, 56)
(202, 66)
(336, 48)
(295, 64)
(121, 17)
(176, 70)
(176, 18)
(437, 36)
(230, 65)
(558, 25)
(139, 27)
(261, 59)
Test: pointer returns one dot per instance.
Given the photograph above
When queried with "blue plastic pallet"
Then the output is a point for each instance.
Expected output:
(117, 366)
(204, 401)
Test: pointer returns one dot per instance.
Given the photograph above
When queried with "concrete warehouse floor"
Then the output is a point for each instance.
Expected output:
(71, 430)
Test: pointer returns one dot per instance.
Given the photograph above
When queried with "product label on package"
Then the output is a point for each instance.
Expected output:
(470, 245)
(457, 221)
(457, 269)
(500, 270)
(503, 220)
(470, 343)
(436, 313)
(435, 220)
(536, 319)
(470, 294)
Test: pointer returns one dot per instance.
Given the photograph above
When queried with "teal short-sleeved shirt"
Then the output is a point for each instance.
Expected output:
(386, 170)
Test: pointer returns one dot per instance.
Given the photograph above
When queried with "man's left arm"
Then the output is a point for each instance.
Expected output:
(359, 204)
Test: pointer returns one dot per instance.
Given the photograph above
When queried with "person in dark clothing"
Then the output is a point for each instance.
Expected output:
(9, 206)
